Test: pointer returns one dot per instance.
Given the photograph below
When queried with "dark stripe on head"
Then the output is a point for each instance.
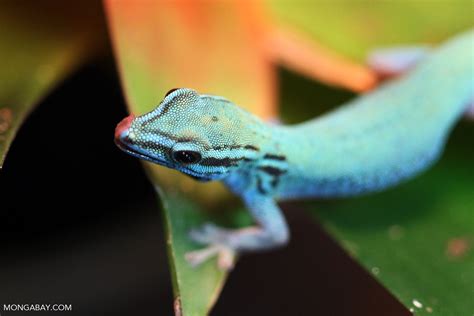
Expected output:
(272, 170)
(274, 157)
(226, 147)
(249, 147)
(220, 162)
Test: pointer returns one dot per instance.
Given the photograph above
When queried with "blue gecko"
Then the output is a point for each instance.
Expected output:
(369, 144)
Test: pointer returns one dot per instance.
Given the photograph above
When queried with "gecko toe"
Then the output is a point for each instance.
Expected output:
(226, 259)
(226, 256)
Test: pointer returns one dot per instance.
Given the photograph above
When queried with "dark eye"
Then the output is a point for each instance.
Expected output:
(171, 91)
(186, 156)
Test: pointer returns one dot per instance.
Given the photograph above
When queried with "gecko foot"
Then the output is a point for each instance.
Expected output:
(225, 256)
(216, 239)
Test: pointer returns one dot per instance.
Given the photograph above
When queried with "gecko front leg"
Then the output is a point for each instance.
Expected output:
(271, 232)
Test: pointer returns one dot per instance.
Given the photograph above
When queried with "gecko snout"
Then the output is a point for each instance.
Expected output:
(122, 129)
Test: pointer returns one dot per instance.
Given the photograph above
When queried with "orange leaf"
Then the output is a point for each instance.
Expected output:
(315, 61)
(214, 47)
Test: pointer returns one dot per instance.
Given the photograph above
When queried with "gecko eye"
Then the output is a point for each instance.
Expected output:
(171, 91)
(186, 156)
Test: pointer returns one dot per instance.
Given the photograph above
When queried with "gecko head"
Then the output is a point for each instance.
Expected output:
(202, 136)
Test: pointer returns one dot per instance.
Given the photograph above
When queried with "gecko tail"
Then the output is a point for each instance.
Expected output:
(394, 61)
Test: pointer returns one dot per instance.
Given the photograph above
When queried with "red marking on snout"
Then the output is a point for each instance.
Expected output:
(123, 126)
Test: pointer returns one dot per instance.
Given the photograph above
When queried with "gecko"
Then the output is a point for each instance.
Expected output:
(371, 143)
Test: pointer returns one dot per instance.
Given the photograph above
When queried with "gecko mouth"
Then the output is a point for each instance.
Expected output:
(129, 149)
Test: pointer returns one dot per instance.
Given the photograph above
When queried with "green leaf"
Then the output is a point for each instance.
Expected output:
(199, 293)
(196, 289)
(37, 52)
(417, 239)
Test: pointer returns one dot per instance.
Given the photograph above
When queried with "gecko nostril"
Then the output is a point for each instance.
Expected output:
(122, 129)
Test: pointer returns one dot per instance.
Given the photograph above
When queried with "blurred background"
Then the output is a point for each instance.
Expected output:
(81, 224)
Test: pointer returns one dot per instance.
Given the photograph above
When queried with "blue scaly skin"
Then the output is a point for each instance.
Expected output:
(371, 143)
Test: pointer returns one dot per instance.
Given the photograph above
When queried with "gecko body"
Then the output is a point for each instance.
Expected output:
(371, 143)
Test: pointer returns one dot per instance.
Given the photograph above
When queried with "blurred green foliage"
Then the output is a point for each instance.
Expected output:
(354, 27)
